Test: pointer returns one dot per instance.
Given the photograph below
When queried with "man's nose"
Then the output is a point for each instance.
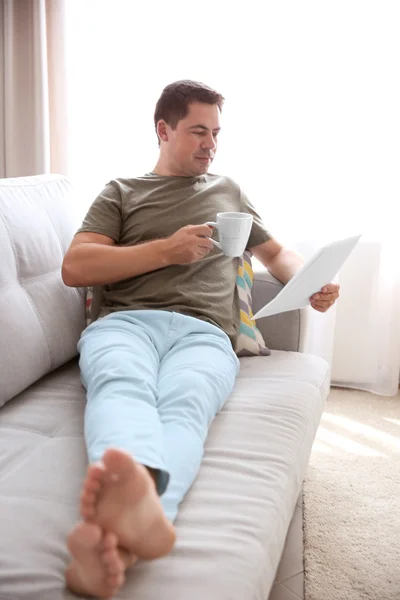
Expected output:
(209, 142)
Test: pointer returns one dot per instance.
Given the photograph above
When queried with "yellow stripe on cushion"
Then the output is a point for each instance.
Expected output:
(248, 270)
(245, 319)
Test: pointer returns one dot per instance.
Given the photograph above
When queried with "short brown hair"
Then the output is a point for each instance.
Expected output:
(173, 104)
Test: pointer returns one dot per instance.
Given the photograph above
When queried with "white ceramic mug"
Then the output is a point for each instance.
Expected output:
(234, 231)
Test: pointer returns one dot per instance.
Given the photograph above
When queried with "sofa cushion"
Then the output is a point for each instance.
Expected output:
(40, 318)
(233, 522)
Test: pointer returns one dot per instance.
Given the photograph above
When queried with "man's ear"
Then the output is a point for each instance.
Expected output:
(162, 130)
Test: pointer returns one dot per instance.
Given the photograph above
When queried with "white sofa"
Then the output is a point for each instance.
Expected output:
(232, 524)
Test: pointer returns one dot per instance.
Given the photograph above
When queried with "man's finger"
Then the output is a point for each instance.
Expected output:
(321, 305)
(330, 287)
(202, 252)
(205, 243)
(324, 297)
(319, 308)
(203, 230)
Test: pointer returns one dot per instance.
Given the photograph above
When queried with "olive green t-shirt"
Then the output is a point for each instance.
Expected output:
(133, 211)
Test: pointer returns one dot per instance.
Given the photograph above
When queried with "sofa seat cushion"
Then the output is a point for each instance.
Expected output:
(232, 524)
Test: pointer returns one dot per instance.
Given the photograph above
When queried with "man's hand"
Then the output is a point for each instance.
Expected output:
(189, 244)
(327, 296)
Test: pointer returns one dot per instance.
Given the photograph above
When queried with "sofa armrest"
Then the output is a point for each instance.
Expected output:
(285, 331)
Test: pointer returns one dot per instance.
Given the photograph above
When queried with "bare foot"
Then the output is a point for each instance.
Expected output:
(120, 496)
(96, 568)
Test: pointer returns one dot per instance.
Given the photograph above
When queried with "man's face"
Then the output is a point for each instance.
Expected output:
(191, 147)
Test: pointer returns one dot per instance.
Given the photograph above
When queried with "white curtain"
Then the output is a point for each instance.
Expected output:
(310, 130)
(33, 123)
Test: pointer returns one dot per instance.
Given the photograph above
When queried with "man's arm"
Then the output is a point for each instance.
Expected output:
(95, 259)
(281, 262)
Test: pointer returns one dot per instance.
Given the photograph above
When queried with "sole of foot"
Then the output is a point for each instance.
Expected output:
(120, 496)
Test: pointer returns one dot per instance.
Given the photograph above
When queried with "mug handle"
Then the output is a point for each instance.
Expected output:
(213, 224)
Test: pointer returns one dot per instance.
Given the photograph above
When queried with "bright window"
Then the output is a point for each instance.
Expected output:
(311, 120)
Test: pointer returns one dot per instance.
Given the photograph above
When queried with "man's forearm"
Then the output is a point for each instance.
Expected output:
(285, 264)
(92, 264)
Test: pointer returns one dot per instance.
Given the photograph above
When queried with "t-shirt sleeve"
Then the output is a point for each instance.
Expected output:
(259, 234)
(105, 214)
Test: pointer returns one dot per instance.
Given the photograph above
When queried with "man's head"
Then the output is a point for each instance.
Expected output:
(187, 125)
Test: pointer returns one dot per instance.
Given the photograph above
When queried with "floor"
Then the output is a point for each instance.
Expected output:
(289, 583)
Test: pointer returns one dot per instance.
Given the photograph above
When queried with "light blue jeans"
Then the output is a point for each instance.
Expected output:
(155, 380)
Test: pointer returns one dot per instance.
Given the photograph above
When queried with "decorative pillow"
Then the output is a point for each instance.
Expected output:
(249, 341)
(88, 304)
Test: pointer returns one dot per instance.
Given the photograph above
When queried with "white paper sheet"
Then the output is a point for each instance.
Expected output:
(318, 271)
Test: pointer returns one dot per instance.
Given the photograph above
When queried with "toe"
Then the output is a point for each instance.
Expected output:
(92, 485)
(113, 570)
(87, 495)
(109, 540)
(105, 545)
(115, 580)
(96, 472)
(88, 502)
(109, 557)
(84, 535)
(87, 510)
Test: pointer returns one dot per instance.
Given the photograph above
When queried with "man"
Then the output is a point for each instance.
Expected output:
(159, 363)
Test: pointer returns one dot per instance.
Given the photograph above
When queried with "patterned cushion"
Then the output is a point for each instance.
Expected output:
(89, 299)
(249, 341)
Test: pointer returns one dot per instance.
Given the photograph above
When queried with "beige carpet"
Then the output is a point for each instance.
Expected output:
(352, 500)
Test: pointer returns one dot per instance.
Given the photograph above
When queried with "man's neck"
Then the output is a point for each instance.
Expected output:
(168, 170)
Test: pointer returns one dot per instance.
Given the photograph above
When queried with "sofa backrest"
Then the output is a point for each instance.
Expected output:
(40, 318)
